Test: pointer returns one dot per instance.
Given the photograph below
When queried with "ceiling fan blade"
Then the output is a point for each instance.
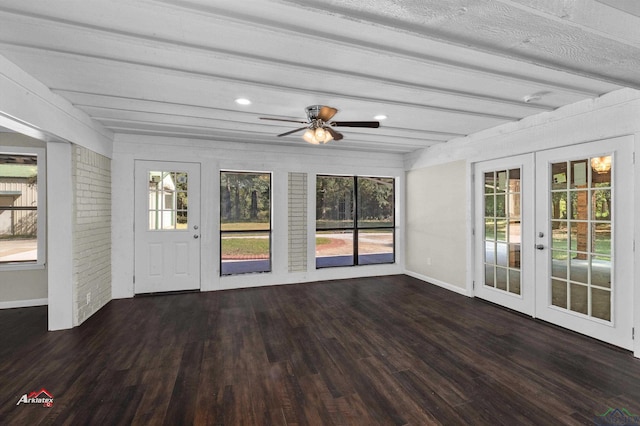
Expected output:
(336, 135)
(326, 113)
(292, 131)
(282, 119)
(372, 124)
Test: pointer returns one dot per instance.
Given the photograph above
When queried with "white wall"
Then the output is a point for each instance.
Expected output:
(435, 221)
(215, 156)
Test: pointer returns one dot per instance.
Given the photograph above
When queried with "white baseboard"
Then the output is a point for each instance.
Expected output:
(23, 303)
(439, 283)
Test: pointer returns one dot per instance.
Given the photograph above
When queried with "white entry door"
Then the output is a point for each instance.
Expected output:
(584, 239)
(504, 227)
(167, 226)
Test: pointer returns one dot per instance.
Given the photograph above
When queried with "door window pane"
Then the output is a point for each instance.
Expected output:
(579, 298)
(514, 281)
(168, 200)
(601, 304)
(501, 207)
(559, 293)
(601, 204)
(489, 183)
(601, 238)
(559, 176)
(559, 263)
(579, 268)
(579, 174)
(559, 235)
(601, 271)
(501, 278)
(601, 171)
(559, 205)
(489, 275)
(502, 251)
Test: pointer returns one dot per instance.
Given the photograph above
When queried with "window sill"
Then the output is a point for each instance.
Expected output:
(7, 267)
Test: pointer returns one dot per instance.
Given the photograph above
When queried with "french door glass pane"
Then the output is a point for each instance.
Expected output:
(581, 200)
(601, 302)
(559, 293)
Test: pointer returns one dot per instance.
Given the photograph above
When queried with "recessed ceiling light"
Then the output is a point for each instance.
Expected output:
(380, 117)
(243, 101)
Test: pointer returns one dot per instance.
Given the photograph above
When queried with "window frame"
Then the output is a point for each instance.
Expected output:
(41, 209)
(356, 228)
(268, 231)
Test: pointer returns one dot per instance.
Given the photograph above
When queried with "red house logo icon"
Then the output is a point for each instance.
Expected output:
(39, 397)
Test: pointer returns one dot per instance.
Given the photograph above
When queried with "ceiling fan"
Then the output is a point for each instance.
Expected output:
(318, 127)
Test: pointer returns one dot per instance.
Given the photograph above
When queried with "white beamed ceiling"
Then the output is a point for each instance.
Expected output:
(438, 69)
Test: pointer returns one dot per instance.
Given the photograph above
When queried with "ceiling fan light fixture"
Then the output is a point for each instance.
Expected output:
(310, 137)
(319, 127)
(328, 137)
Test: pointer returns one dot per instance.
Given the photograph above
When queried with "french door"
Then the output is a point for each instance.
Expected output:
(167, 220)
(572, 264)
(584, 239)
(504, 228)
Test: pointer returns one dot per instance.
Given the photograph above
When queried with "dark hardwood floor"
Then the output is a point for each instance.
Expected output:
(385, 350)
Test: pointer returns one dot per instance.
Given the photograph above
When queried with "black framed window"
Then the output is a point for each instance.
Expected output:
(355, 220)
(245, 222)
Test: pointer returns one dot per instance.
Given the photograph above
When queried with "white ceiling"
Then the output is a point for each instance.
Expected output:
(437, 69)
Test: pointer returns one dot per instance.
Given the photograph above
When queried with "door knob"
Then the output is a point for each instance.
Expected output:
(196, 236)
(540, 247)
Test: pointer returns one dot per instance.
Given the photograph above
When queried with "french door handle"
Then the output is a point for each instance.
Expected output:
(539, 246)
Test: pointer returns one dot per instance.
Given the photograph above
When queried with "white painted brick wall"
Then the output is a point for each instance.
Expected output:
(92, 232)
(297, 222)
